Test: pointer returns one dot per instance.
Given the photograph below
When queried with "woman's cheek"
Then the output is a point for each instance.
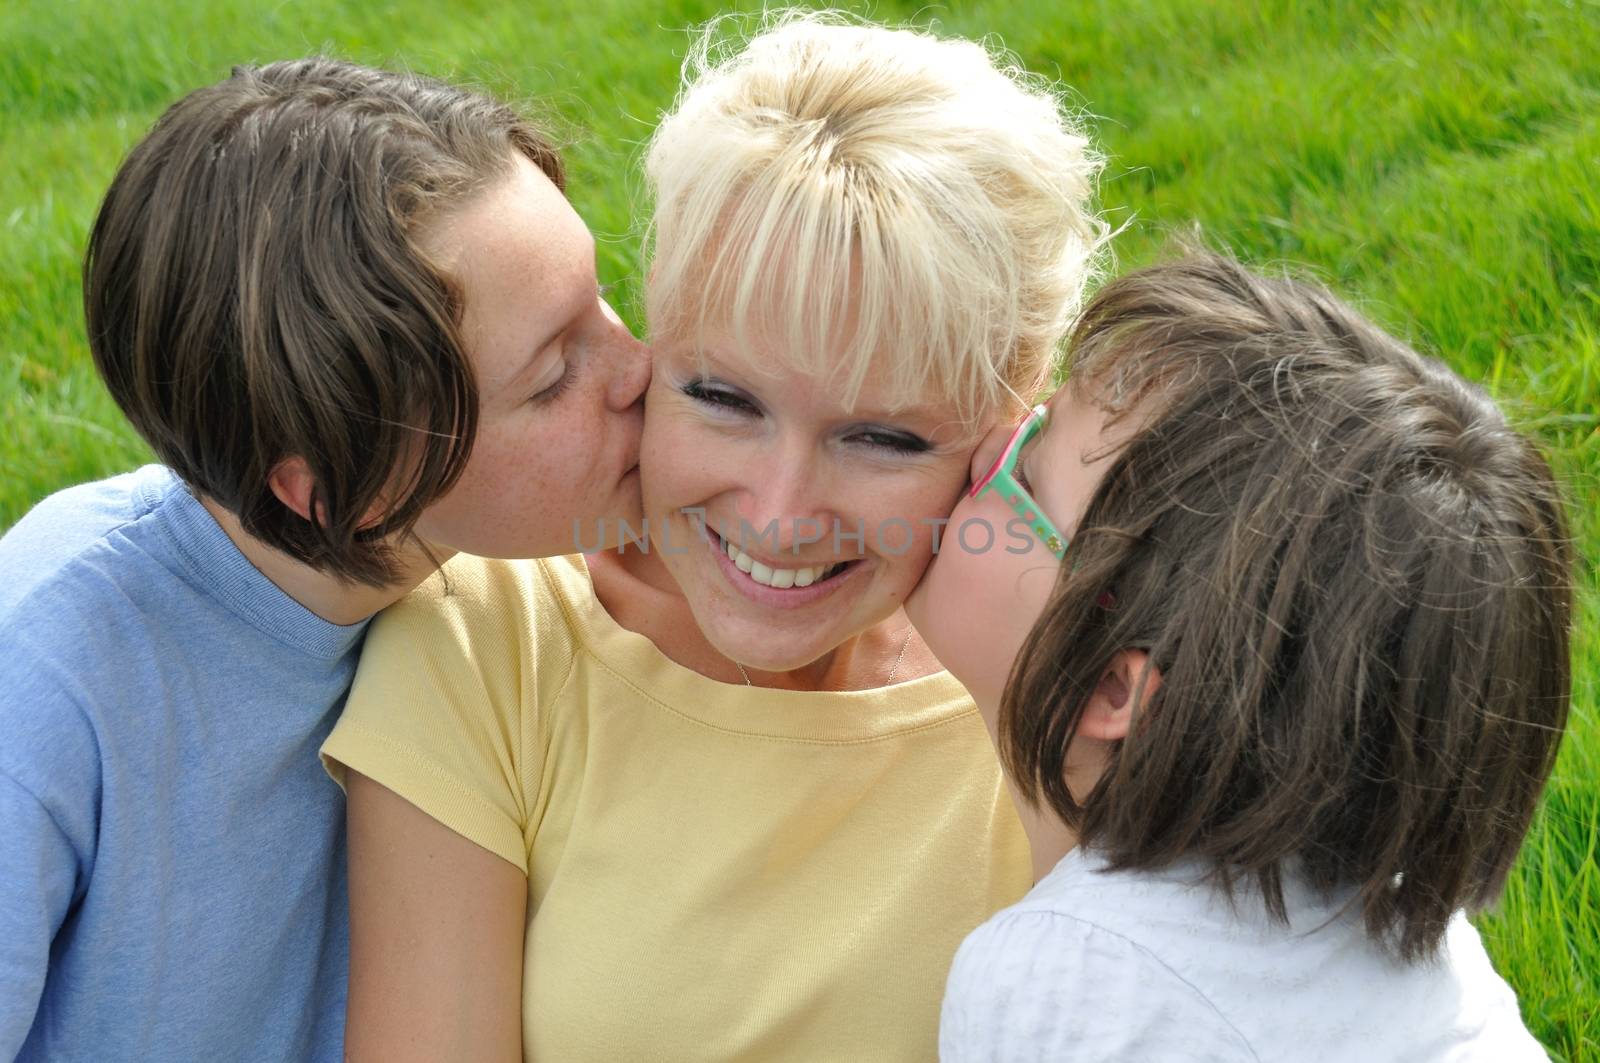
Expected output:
(933, 506)
(903, 529)
(671, 459)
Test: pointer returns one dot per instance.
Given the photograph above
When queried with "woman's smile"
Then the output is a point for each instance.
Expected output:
(766, 582)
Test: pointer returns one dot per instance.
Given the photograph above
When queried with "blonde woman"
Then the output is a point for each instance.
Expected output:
(715, 799)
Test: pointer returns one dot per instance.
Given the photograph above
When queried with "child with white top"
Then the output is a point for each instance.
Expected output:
(1275, 654)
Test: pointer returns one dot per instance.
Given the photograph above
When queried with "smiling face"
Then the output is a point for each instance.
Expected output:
(559, 377)
(976, 606)
(790, 522)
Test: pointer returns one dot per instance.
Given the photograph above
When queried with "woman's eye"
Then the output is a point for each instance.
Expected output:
(893, 441)
(710, 395)
(556, 387)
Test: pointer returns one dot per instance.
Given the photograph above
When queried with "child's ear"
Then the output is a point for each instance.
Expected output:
(1110, 709)
(292, 482)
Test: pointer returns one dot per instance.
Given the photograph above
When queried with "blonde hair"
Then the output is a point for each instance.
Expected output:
(895, 205)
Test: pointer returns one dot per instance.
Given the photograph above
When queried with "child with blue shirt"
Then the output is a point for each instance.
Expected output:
(354, 317)
(1277, 684)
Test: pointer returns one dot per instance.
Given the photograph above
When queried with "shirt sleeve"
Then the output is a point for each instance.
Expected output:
(49, 821)
(1035, 985)
(38, 877)
(437, 712)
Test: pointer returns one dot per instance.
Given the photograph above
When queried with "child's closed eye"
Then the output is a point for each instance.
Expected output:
(1022, 476)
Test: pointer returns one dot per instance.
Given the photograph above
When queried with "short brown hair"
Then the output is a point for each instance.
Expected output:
(1354, 579)
(254, 291)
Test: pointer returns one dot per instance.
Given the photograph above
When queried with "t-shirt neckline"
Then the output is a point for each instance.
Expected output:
(215, 562)
(794, 715)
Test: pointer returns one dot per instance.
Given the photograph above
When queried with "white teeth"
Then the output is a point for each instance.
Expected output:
(781, 578)
(743, 560)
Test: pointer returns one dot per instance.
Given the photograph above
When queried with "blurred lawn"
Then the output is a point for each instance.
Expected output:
(1436, 161)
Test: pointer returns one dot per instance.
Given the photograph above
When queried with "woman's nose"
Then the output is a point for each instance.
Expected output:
(628, 361)
(784, 501)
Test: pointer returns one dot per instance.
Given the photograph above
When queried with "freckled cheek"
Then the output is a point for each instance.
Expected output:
(943, 570)
(515, 465)
(683, 486)
(898, 524)
(657, 432)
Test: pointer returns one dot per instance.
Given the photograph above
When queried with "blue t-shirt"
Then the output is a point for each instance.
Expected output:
(172, 865)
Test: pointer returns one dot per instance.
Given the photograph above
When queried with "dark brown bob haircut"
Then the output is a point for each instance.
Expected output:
(254, 291)
(1354, 580)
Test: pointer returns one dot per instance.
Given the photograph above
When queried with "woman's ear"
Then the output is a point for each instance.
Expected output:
(1109, 713)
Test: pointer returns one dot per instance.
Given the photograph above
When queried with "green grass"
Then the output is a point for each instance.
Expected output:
(1435, 161)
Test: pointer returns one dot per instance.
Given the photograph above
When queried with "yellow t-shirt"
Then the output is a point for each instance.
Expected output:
(715, 872)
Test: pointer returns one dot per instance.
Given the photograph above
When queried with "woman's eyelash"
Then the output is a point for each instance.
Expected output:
(715, 397)
(894, 442)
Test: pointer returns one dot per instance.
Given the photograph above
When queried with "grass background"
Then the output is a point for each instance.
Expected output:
(1435, 161)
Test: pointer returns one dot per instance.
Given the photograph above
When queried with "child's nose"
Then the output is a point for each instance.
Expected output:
(988, 452)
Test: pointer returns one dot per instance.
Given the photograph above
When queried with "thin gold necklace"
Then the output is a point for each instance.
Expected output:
(894, 671)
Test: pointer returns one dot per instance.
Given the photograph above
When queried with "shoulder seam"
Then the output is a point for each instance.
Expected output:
(1010, 916)
(67, 562)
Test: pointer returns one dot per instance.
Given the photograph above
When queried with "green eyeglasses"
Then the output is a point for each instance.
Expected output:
(1001, 477)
